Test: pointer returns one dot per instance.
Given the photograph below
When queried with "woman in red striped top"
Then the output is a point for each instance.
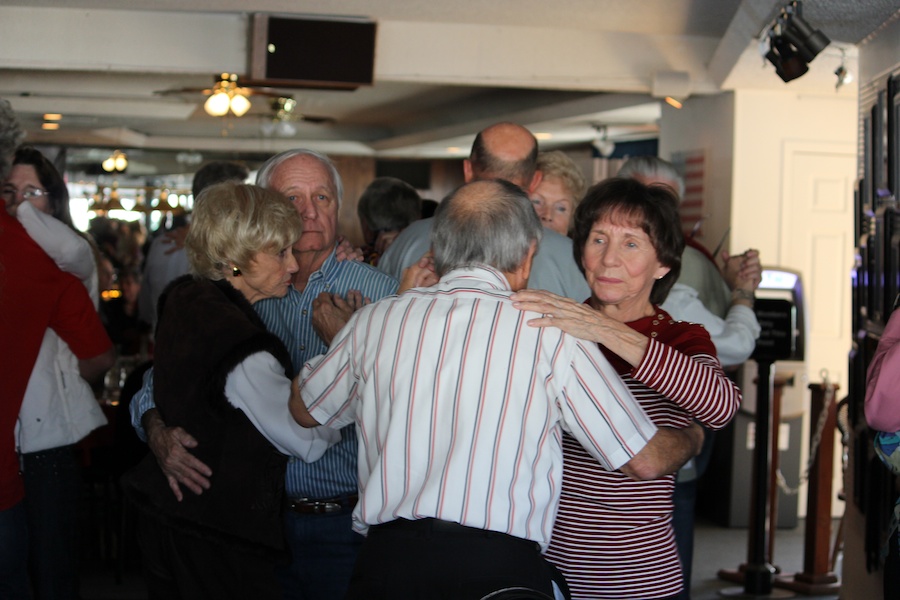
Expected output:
(613, 536)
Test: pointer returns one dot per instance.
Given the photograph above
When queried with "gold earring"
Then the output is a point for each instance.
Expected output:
(236, 272)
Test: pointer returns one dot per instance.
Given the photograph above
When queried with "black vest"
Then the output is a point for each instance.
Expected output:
(206, 328)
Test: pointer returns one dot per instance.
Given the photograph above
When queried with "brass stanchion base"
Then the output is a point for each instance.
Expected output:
(759, 575)
(741, 593)
(810, 585)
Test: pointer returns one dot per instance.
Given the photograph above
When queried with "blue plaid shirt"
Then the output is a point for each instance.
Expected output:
(290, 318)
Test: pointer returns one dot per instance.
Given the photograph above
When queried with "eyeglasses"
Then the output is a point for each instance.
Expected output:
(9, 193)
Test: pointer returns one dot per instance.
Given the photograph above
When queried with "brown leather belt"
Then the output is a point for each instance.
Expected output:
(306, 506)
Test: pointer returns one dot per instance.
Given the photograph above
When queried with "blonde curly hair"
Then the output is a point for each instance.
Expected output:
(232, 222)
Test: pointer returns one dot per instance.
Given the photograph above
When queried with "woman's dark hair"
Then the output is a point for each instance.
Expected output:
(53, 182)
(653, 208)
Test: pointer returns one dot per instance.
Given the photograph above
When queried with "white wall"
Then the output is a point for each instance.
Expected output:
(706, 123)
(750, 139)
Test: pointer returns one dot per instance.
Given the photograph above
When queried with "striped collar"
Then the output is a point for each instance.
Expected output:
(488, 277)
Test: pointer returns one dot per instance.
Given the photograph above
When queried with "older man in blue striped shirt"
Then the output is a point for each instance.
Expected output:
(322, 494)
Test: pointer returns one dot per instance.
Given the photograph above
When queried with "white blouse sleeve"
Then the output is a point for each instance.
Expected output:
(734, 336)
(259, 387)
(71, 252)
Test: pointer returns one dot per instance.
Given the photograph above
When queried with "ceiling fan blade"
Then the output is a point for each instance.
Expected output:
(318, 120)
(186, 90)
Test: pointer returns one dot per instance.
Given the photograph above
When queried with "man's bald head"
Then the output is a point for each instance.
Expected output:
(504, 151)
(484, 222)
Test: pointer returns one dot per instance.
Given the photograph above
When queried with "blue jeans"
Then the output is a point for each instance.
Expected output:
(323, 554)
(14, 554)
(685, 502)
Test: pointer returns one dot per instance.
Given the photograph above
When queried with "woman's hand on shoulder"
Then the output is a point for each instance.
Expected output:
(582, 321)
(576, 319)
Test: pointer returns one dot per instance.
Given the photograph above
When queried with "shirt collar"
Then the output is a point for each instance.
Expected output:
(487, 277)
(330, 268)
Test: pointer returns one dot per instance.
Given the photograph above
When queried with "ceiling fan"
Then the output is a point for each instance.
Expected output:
(280, 123)
(229, 95)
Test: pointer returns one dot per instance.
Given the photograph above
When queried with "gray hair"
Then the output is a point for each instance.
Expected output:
(487, 222)
(264, 176)
(389, 204)
(652, 168)
(10, 137)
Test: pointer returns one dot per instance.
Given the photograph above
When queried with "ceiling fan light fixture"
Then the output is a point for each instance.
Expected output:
(217, 104)
(239, 104)
(117, 161)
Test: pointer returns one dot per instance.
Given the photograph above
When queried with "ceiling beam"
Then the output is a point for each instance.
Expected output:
(749, 20)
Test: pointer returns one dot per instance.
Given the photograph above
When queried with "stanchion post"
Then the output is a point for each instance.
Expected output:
(817, 577)
(758, 573)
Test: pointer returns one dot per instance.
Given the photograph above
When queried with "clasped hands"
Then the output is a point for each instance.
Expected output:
(742, 271)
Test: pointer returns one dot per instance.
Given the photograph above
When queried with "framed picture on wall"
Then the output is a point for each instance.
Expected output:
(879, 150)
(893, 135)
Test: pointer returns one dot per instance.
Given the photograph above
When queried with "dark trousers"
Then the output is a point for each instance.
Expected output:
(178, 566)
(323, 552)
(684, 500)
(431, 559)
(52, 493)
(14, 554)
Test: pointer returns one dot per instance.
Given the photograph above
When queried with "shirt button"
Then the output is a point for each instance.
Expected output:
(303, 312)
(303, 347)
(327, 286)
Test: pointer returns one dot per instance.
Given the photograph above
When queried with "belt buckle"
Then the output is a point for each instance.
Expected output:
(327, 507)
(319, 507)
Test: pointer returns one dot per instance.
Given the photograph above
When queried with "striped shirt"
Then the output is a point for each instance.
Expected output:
(290, 318)
(613, 536)
(460, 407)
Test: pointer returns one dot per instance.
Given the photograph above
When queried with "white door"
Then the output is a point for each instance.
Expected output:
(817, 240)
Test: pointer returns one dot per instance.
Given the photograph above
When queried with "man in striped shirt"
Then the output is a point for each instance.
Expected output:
(322, 494)
(460, 408)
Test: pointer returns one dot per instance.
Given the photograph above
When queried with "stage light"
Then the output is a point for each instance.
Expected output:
(788, 64)
(793, 42)
(801, 35)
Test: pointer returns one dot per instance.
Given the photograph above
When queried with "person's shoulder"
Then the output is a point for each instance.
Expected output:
(675, 329)
(680, 294)
(420, 227)
(407, 248)
(691, 258)
(556, 242)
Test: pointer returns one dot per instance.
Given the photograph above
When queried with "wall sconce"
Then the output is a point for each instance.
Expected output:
(117, 161)
(226, 95)
(793, 42)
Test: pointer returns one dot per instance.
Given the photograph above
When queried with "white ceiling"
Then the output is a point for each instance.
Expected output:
(443, 69)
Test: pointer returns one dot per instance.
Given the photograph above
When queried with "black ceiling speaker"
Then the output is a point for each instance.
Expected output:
(330, 53)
